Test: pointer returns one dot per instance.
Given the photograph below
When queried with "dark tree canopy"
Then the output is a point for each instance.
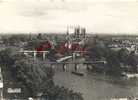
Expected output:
(36, 75)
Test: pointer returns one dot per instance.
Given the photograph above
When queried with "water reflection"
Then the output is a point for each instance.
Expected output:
(96, 86)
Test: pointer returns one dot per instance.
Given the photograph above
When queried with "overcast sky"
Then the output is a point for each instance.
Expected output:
(102, 16)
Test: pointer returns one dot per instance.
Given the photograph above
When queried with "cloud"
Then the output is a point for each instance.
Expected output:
(44, 16)
(40, 8)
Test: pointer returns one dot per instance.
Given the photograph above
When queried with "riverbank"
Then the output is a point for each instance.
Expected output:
(94, 86)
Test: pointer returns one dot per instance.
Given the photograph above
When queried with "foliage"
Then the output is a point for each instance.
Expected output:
(61, 93)
(36, 75)
(113, 64)
(39, 78)
(114, 59)
(123, 55)
(15, 39)
(34, 44)
(132, 60)
(6, 57)
(98, 51)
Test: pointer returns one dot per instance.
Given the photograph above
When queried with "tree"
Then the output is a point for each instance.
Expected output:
(113, 64)
(98, 50)
(39, 36)
(132, 60)
(38, 77)
(12, 39)
(6, 57)
(35, 74)
(122, 55)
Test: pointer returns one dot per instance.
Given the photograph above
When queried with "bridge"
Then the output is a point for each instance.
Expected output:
(63, 60)
(26, 52)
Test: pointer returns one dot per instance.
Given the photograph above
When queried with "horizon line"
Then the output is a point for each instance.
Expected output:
(62, 33)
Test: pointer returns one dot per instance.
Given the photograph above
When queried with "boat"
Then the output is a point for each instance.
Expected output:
(77, 73)
(131, 75)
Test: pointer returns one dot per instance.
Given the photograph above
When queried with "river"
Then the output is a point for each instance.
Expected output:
(95, 86)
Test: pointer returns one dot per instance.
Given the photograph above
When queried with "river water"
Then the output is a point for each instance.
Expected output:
(95, 86)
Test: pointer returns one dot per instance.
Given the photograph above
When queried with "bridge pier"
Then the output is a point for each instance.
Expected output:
(87, 67)
(64, 67)
(35, 55)
(53, 66)
(76, 67)
(44, 55)
(74, 56)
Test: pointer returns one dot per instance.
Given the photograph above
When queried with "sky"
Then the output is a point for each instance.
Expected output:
(97, 16)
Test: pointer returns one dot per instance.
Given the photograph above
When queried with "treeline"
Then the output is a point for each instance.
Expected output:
(15, 38)
(117, 61)
(36, 75)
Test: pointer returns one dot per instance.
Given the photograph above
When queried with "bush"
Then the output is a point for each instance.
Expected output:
(36, 75)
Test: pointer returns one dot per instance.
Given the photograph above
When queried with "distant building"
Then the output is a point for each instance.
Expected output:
(79, 32)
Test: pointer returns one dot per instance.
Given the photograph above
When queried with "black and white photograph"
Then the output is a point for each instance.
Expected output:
(68, 49)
